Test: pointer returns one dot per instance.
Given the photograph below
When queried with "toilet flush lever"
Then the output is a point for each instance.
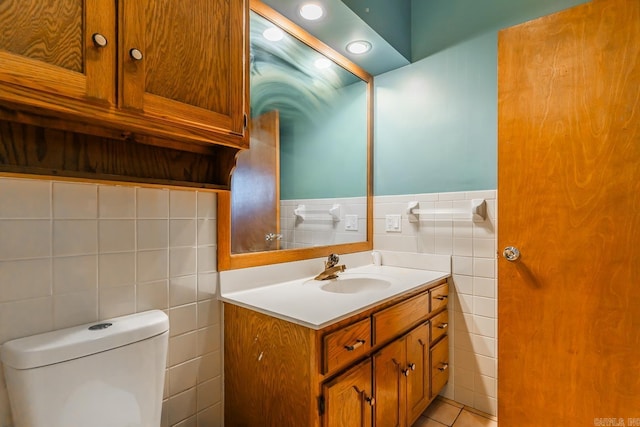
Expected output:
(511, 253)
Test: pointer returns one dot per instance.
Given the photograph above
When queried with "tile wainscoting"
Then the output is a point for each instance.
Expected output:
(74, 253)
(473, 302)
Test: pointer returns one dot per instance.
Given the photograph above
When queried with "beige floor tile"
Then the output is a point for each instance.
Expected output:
(427, 422)
(442, 412)
(468, 419)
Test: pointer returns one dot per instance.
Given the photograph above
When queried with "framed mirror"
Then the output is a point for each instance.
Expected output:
(304, 188)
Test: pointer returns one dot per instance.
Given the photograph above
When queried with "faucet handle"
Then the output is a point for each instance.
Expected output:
(332, 260)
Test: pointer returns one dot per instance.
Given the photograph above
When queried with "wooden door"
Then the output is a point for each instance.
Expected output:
(348, 398)
(48, 55)
(569, 200)
(255, 189)
(418, 390)
(183, 62)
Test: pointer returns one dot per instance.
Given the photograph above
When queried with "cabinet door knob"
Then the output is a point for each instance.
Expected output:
(441, 297)
(135, 54)
(99, 40)
(370, 400)
(443, 367)
(412, 366)
(352, 347)
(443, 325)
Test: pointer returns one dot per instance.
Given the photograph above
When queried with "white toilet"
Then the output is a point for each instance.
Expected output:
(104, 374)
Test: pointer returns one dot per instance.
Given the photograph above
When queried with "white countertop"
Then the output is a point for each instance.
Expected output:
(303, 301)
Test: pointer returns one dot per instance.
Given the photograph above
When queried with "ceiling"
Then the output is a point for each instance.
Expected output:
(341, 25)
(405, 31)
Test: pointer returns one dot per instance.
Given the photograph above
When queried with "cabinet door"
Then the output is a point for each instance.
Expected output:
(48, 57)
(389, 370)
(348, 398)
(418, 392)
(183, 62)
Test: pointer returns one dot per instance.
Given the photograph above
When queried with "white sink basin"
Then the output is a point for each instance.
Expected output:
(353, 285)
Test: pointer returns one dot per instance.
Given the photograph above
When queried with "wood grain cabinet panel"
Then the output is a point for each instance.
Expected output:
(171, 70)
(48, 55)
(349, 398)
(439, 365)
(346, 345)
(439, 326)
(399, 318)
(439, 297)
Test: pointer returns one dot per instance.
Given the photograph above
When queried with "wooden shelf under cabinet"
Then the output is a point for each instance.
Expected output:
(279, 373)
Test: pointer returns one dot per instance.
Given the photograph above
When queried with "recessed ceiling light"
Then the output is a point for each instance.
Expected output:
(359, 46)
(322, 63)
(273, 34)
(311, 11)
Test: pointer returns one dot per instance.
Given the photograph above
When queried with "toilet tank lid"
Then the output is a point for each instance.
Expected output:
(78, 341)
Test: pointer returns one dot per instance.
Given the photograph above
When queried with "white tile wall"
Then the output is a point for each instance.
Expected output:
(319, 229)
(73, 253)
(473, 341)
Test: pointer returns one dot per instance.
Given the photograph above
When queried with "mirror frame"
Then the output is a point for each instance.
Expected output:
(231, 261)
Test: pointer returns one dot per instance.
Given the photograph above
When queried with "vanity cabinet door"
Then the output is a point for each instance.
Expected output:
(54, 52)
(183, 63)
(349, 398)
(389, 370)
(418, 386)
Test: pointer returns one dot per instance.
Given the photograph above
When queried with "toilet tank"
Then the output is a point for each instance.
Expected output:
(104, 374)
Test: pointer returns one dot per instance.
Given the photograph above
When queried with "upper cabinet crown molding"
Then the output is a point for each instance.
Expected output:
(174, 73)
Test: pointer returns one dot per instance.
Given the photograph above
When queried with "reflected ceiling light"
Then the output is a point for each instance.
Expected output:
(322, 63)
(359, 46)
(273, 34)
(311, 11)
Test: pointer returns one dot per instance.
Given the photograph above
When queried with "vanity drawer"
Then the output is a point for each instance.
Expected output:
(439, 366)
(346, 345)
(439, 297)
(397, 319)
(439, 325)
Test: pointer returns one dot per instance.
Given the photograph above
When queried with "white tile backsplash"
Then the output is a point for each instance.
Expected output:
(75, 200)
(73, 253)
(472, 246)
(25, 199)
(25, 239)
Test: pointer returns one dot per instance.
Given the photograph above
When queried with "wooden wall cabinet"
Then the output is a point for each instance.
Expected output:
(381, 367)
(173, 70)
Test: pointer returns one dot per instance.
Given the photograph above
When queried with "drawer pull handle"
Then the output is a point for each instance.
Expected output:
(443, 325)
(443, 367)
(441, 297)
(358, 343)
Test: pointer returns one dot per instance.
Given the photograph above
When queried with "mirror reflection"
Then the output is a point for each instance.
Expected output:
(304, 181)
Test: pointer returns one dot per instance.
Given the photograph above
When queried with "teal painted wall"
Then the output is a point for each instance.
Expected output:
(326, 157)
(436, 119)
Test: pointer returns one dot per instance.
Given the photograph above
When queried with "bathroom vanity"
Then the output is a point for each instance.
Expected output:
(340, 352)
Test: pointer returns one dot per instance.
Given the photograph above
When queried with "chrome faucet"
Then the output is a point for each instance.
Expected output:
(331, 270)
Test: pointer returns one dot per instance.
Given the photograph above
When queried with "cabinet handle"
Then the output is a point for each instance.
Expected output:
(99, 40)
(358, 343)
(370, 400)
(443, 325)
(443, 367)
(410, 367)
(441, 297)
(135, 54)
